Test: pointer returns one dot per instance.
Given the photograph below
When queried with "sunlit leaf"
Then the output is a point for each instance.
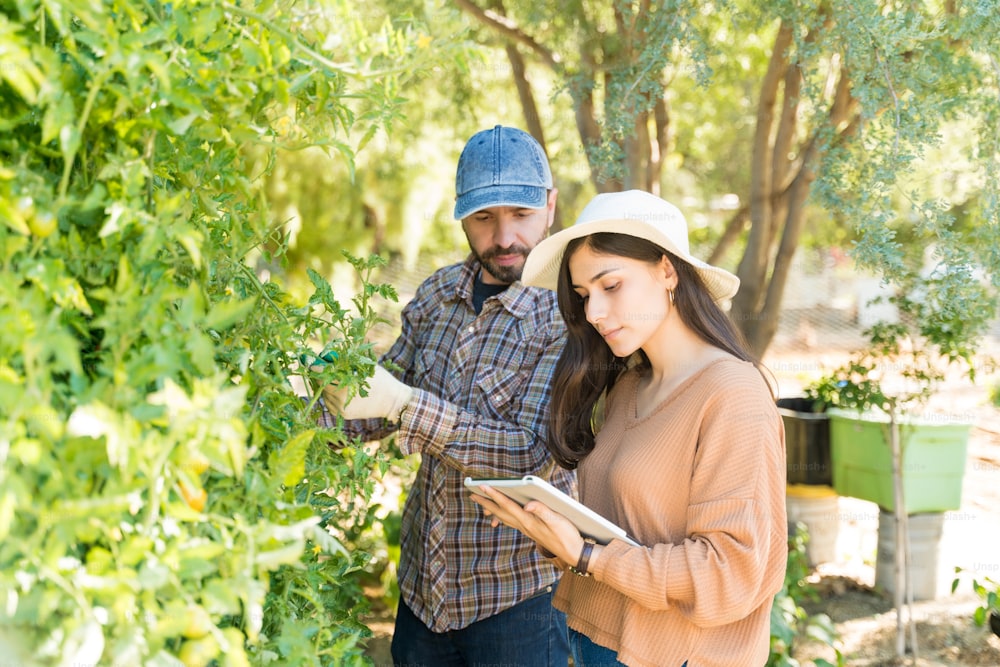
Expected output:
(226, 313)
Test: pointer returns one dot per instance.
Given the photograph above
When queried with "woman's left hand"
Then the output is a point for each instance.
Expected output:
(550, 530)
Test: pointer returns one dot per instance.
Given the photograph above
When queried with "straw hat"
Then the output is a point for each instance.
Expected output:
(635, 213)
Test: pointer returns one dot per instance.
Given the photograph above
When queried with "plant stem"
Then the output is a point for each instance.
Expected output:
(81, 125)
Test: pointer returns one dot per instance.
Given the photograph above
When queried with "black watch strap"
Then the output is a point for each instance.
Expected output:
(581, 565)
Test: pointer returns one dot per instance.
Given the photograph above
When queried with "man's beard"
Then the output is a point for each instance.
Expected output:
(505, 274)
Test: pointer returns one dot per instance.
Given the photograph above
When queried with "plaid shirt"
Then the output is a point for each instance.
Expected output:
(480, 410)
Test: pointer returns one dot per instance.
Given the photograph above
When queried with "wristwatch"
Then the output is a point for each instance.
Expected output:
(581, 565)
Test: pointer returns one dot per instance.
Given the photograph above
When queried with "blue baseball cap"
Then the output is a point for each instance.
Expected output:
(501, 167)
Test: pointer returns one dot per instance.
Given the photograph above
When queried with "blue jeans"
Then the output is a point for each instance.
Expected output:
(588, 654)
(530, 634)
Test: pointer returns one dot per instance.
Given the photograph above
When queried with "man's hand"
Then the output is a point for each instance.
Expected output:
(386, 398)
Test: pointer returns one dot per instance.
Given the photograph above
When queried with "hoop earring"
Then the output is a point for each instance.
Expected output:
(671, 293)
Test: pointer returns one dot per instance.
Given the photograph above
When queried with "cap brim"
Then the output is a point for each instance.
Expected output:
(522, 196)
(541, 268)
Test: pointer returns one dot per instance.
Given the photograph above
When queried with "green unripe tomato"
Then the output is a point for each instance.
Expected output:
(42, 224)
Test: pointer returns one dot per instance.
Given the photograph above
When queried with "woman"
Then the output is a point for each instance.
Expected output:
(689, 458)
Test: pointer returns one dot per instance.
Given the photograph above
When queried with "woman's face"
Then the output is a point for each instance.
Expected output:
(625, 299)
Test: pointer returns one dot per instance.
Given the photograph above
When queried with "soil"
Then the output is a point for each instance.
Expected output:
(862, 614)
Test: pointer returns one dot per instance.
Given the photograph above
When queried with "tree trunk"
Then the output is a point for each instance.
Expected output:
(780, 186)
(902, 567)
(761, 329)
(529, 107)
(752, 269)
(658, 146)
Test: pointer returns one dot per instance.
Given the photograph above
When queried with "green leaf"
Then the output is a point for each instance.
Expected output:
(327, 542)
(97, 420)
(12, 218)
(179, 126)
(57, 116)
(289, 462)
(8, 503)
(164, 659)
(224, 314)
(69, 141)
(286, 555)
(17, 72)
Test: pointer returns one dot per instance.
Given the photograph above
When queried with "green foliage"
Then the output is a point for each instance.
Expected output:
(164, 493)
(905, 361)
(859, 383)
(915, 73)
(790, 622)
(395, 198)
(988, 592)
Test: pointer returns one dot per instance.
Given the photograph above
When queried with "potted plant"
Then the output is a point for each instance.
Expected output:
(874, 400)
(881, 387)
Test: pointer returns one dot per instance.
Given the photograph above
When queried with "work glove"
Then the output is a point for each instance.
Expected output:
(386, 398)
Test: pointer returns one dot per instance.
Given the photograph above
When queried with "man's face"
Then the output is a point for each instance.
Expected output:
(502, 236)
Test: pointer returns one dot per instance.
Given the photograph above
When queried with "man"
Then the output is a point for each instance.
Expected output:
(476, 356)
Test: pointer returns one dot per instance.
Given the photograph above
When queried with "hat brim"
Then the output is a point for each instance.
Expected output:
(541, 268)
(522, 196)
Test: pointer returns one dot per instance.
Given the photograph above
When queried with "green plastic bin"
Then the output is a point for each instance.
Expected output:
(934, 453)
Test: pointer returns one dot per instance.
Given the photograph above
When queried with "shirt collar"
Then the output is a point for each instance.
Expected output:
(518, 299)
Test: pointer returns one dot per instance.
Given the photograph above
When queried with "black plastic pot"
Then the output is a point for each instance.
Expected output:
(807, 442)
(995, 623)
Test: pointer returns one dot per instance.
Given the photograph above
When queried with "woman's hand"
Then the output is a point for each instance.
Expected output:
(550, 530)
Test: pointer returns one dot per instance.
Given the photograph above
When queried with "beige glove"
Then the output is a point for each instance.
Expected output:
(386, 398)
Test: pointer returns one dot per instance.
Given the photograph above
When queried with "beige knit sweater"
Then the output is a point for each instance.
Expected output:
(700, 482)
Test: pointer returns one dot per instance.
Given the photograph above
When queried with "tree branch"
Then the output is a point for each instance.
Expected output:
(525, 94)
(510, 30)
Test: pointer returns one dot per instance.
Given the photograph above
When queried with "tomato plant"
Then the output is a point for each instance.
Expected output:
(165, 496)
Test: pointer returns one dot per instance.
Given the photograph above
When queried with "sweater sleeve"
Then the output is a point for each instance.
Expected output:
(730, 559)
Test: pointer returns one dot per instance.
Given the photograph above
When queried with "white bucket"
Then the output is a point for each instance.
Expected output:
(925, 541)
(816, 506)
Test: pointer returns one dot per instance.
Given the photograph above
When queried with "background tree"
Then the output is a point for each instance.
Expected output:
(846, 99)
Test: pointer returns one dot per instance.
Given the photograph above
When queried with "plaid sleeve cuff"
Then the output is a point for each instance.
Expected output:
(367, 429)
(428, 423)
(324, 417)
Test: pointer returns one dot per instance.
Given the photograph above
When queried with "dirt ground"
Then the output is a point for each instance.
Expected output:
(864, 615)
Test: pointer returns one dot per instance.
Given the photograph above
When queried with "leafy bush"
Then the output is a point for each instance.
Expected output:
(164, 494)
(790, 622)
(988, 592)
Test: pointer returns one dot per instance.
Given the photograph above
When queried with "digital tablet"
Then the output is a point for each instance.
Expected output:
(588, 522)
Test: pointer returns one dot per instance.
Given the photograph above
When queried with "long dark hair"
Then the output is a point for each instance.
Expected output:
(588, 369)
